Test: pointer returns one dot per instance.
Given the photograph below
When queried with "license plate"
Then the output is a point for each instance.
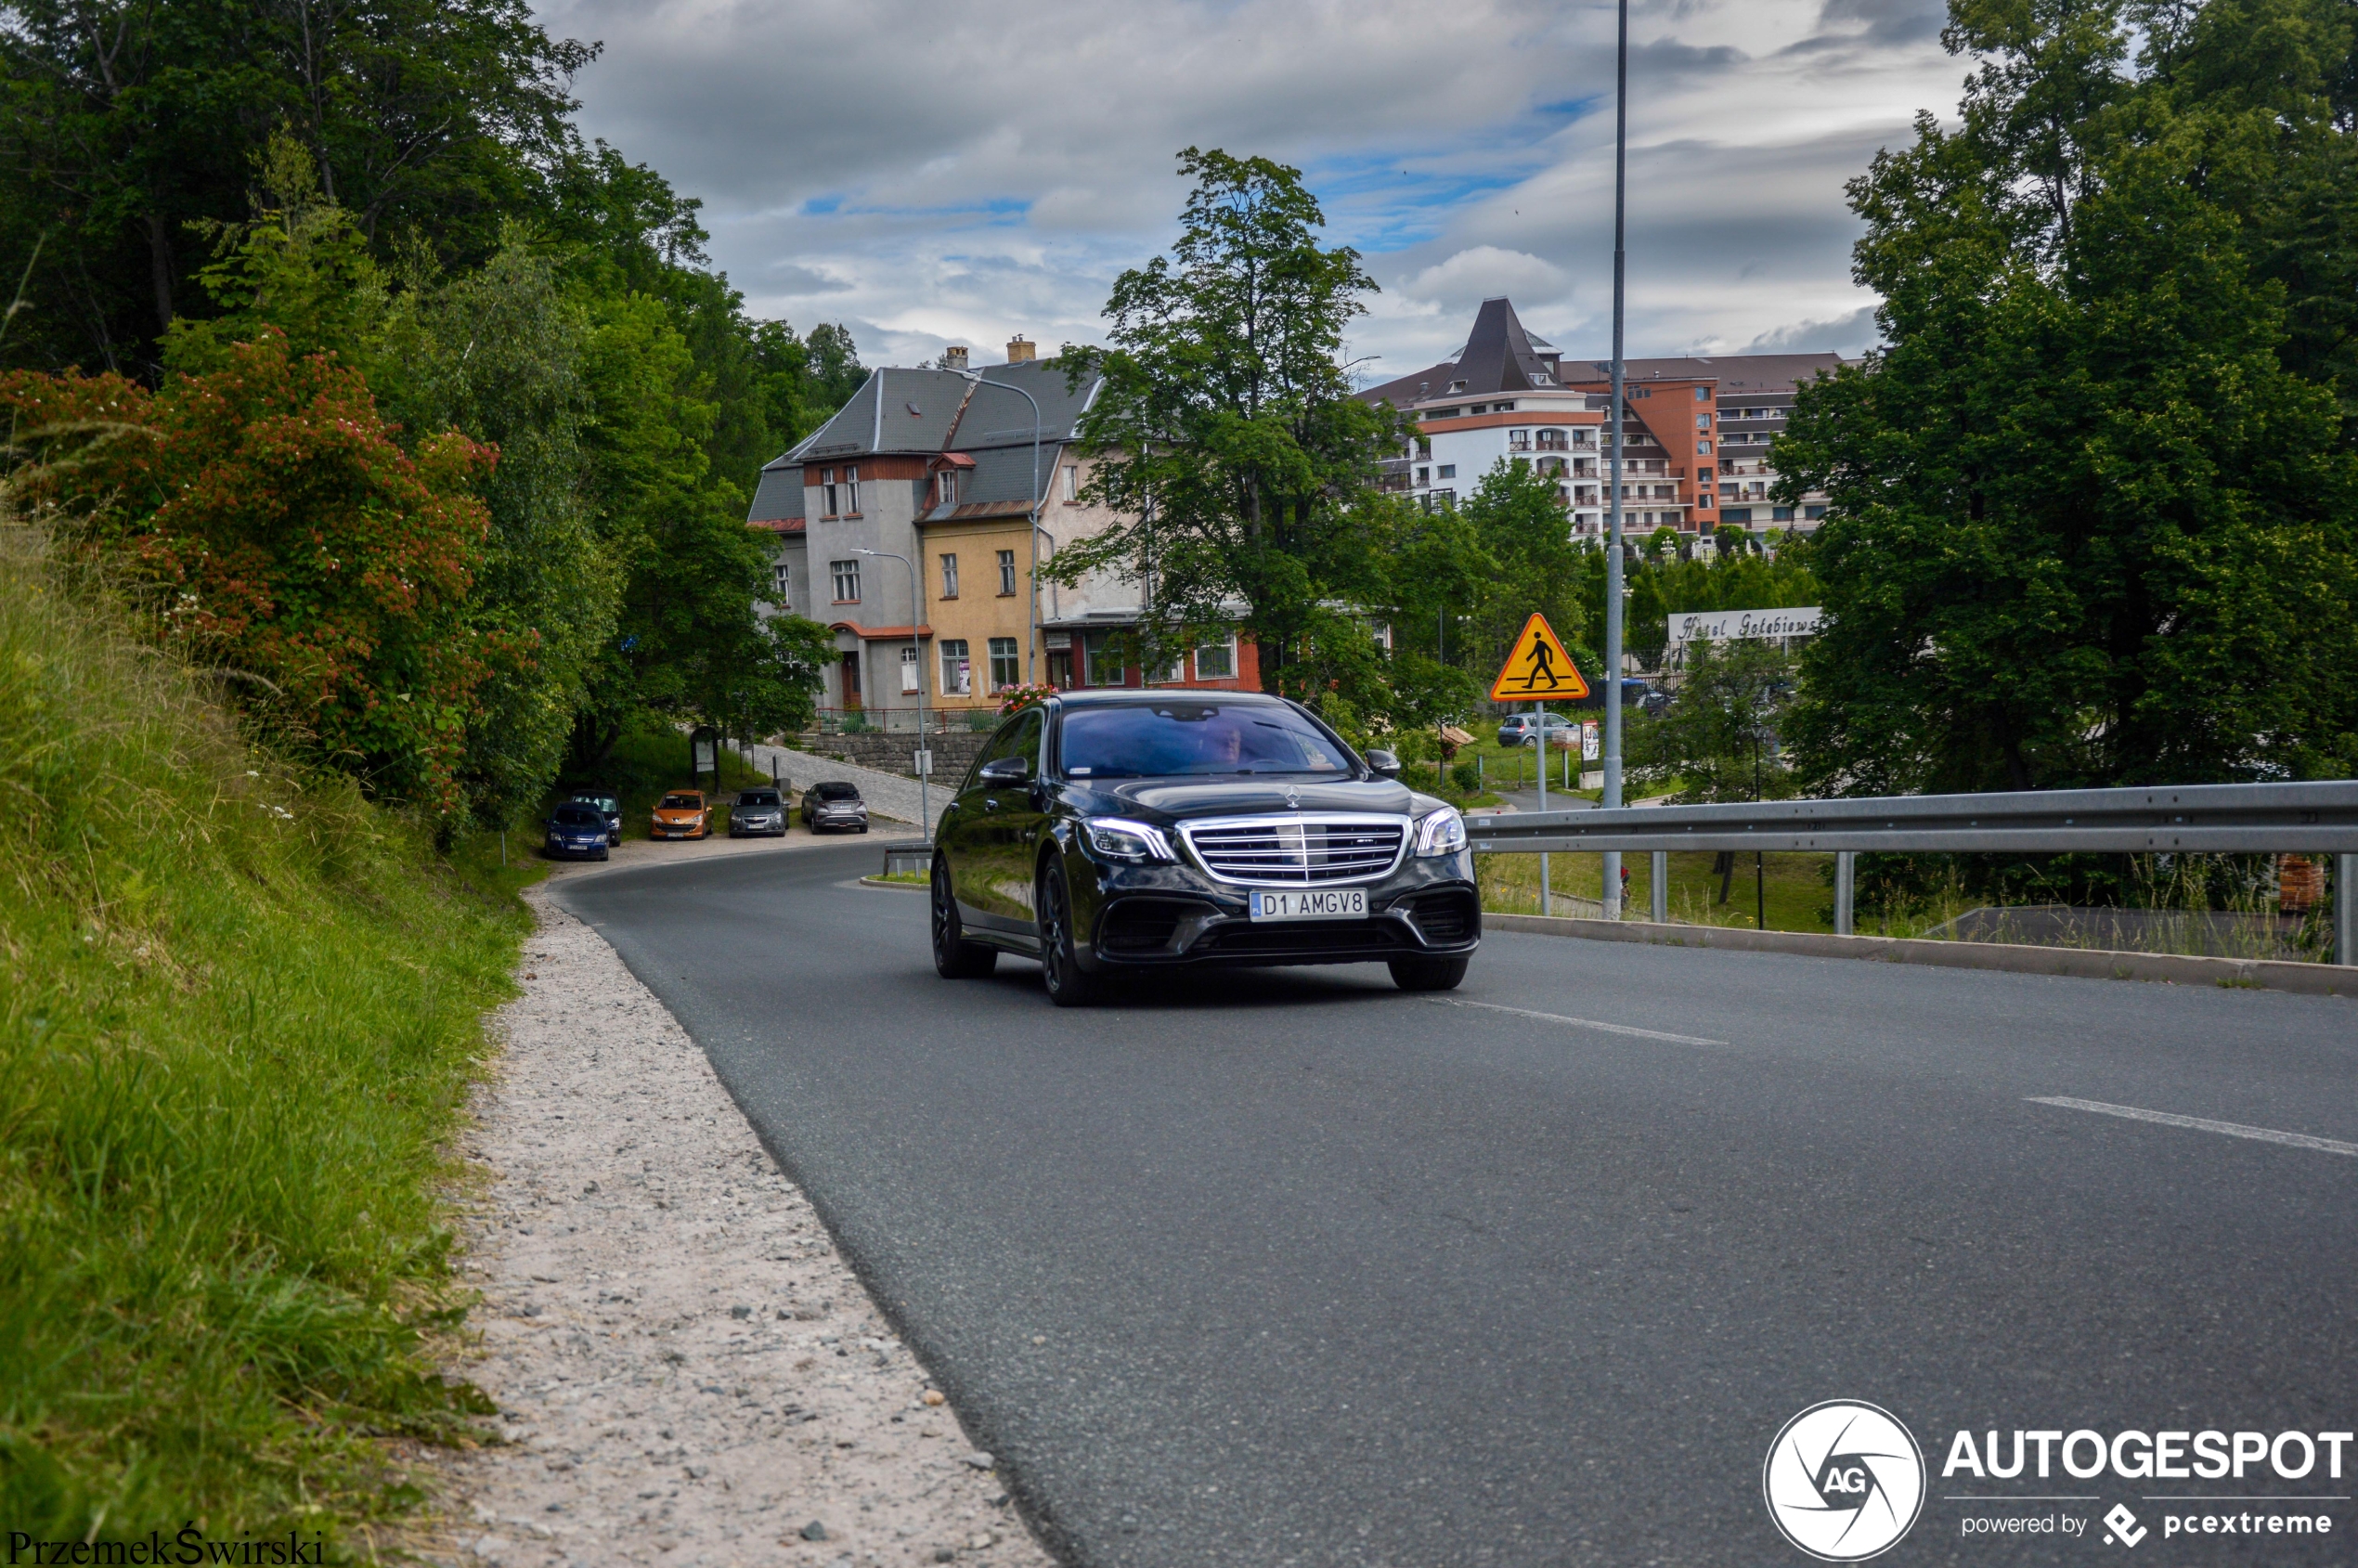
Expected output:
(1316, 903)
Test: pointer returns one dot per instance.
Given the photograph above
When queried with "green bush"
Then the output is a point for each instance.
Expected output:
(240, 1010)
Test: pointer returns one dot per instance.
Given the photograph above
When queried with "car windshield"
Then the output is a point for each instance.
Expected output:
(578, 816)
(757, 797)
(835, 791)
(602, 802)
(680, 803)
(1175, 739)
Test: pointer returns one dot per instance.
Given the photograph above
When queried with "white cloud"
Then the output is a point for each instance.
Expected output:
(933, 174)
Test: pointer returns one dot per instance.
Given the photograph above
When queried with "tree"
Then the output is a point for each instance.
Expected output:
(1228, 437)
(123, 121)
(291, 543)
(1718, 739)
(2090, 522)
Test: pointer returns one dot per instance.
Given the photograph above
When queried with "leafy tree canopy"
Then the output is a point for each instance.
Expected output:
(2095, 513)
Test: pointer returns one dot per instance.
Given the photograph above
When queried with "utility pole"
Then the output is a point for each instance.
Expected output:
(1612, 883)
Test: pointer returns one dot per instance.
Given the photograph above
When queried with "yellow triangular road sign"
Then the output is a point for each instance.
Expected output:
(1537, 670)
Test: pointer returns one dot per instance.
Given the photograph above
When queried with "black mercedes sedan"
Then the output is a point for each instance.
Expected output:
(1114, 833)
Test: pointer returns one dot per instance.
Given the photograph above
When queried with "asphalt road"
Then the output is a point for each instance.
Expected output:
(1291, 1267)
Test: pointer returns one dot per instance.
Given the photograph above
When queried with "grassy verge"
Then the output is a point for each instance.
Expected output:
(240, 1010)
(1799, 895)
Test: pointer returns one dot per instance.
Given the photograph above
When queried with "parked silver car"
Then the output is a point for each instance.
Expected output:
(834, 807)
(758, 811)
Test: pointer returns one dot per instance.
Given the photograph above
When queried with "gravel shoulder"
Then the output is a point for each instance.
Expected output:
(686, 1370)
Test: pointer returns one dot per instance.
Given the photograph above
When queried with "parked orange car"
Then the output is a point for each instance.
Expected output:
(682, 814)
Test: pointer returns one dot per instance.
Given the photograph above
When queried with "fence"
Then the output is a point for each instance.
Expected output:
(2196, 819)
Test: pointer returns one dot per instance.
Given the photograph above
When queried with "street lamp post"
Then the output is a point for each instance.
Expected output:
(916, 619)
(1612, 869)
(1031, 640)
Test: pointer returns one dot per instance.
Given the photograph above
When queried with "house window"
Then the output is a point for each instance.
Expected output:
(1703, 500)
(950, 576)
(1448, 471)
(1518, 441)
(852, 489)
(827, 492)
(846, 582)
(1104, 656)
(781, 579)
(1702, 422)
(1813, 512)
(1454, 388)
(1781, 514)
(1703, 448)
(945, 487)
(1006, 573)
(1703, 394)
(1502, 407)
(1424, 448)
(910, 669)
(1217, 661)
(1555, 440)
(1071, 482)
(957, 671)
(1007, 666)
(1424, 477)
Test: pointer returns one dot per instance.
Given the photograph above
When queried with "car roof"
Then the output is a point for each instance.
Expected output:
(1164, 695)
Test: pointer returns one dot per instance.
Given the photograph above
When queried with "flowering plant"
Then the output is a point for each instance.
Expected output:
(1015, 699)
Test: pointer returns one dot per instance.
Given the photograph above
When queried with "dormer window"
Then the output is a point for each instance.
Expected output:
(945, 485)
(1454, 388)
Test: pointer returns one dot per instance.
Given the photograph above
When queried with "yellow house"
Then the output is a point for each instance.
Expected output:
(978, 581)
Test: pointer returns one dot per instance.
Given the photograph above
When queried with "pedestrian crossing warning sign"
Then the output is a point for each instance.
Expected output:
(1537, 670)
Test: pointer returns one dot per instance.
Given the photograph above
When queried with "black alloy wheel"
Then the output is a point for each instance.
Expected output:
(1429, 973)
(1059, 967)
(955, 958)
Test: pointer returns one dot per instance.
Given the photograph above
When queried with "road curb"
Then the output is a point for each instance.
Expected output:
(2308, 979)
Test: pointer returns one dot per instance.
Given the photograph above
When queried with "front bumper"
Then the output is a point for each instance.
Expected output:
(677, 830)
(587, 848)
(766, 827)
(1169, 917)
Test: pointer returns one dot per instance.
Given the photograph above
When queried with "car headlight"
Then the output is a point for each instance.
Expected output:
(1443, 833)
(1118, 839)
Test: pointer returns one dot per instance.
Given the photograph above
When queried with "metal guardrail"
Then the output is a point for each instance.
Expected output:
(2316, 818)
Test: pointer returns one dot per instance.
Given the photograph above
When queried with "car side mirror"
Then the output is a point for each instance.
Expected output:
(1383, 764)
(1006, 770)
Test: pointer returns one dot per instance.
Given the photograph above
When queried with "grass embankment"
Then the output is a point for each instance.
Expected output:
(239, 1009)
(1800, 895)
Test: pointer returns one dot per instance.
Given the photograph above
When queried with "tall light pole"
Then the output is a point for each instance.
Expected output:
(916, 619)
(1031, 639)
(1611, 888)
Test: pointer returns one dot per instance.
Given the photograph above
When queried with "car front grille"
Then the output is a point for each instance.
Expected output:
(1297, 851)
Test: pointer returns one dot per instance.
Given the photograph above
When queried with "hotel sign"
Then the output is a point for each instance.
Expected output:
(1720, 625)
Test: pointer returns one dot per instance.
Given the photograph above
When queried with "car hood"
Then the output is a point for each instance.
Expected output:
(684, 813)
(1177, 799)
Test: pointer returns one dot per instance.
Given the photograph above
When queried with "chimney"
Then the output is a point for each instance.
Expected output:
(1020, 352)
(955, 356)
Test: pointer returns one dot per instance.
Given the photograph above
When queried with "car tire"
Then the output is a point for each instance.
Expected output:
(863, 827)
(1060, 969)
(601, 854)
(955, 958)
(1429, 973)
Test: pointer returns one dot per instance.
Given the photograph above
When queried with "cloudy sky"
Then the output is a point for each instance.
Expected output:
(932, 171)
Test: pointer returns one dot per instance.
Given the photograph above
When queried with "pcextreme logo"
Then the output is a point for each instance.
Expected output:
(1844, 1481)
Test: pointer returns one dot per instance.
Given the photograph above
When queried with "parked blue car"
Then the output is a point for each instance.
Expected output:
(577, 828)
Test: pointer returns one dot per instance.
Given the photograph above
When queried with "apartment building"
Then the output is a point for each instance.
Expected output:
(906, 523)
(1499, 397)
(1753, 398)
(1696, 431)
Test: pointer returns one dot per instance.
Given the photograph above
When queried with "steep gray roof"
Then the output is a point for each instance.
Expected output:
(778, 497)
(998, 416)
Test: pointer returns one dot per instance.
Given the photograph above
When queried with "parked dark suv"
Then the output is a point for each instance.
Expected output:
(1115, 832)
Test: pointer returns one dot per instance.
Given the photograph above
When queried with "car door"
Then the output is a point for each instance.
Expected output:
(979, 834)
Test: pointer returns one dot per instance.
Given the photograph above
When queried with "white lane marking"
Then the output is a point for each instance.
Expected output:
(2201, 1123)
(1580, 1023)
